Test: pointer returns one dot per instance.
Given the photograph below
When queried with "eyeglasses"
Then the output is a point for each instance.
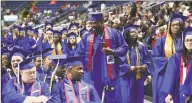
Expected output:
(188, 40)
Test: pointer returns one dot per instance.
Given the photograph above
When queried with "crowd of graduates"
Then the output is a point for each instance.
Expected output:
(109, 59)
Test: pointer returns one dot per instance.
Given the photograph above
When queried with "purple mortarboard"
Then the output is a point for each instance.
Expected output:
(58, 59)
(18, 51)
(187, 31)
(50, 30)
(64, 30)
(96, 16)
(73, 25)
(56, 32)
(27, 63)
(129, 27)
(178, 17)
(83, 31)
(71, 34)
(48, 24)
(5, 51)
(73, 61)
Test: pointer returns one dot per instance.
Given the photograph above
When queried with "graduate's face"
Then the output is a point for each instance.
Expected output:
(22, 33)
(133, 34)
(47, 62)
(96, 25)
(175, 27)
(74, 29)
(56, 38)
(188, 42)
(38, 62)
(61, 71)
(14, 61)
(64, 35)
(77, 73)
(29, 76)
(72, 40)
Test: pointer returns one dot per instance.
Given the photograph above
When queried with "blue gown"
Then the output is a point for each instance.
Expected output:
(160, 62)
(187, 86)
(171, 82)
(12, 95)
(69, 51)
(98, 75)
(62, 96)
(132, 90)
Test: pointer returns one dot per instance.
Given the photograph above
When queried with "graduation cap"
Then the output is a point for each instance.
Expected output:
(50, 30)
(15, 27)
(64, 30)
(83, 31)
(56, 32)
(178, 17)
(36, 31)
(29, 28)
(71, 34)
(59, 61)
(73, 61)
(96, 16)
(187, 31)
(129, 27)
(48, 24)
(27, 63)
(18, 51)
(73, 25)
(5, 51)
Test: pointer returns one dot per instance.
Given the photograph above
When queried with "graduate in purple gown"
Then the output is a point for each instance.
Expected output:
(83, 32)
(64, 33)
(47, 40)
(176, 70)
(73, 27)
(27, 88)
(133, 76)
(16, 56)
(163, 49)
(56, 44)
(104, 50)
(71, 46)
(72, 89)
(187, 86)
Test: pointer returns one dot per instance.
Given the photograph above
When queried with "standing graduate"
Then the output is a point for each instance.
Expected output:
(47, 40)
(187, 86)
(27, 88)
(163, 49)
(72, 89)
(103, 49)
(133, 77)
(71, 46)
(177, 68)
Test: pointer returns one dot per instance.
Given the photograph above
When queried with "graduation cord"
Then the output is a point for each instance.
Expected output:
(138, 74)
(22, 88)
(73, 92)
(181, 70)
(9, 74)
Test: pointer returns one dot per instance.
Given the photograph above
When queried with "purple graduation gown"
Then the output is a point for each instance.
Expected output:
(132, 90)
(98, 76)
(171, 82)
(160, 62)
(62, 96)
(187, 86)
(11, 95)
